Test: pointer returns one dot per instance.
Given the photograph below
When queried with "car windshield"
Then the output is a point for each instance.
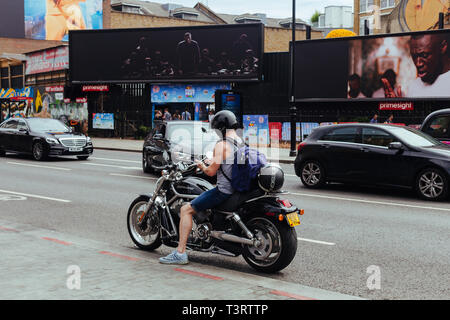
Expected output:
(47, 125)
(414, 137)
(181, 132)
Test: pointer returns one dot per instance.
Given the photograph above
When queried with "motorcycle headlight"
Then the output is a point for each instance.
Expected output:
(52, 140)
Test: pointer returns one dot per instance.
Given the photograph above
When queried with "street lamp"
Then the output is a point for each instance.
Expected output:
(293, 107)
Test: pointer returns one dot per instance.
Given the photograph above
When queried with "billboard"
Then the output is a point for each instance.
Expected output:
(11, 19)
(52, 19)
(48, 60)
(398, 66)
(201, 53)
(186, 92)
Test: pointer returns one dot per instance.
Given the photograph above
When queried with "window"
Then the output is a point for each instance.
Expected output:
(387, 4)
(439, 127)
(12, 124)
(365, 5)
(22, 125)
(4, 72)
(376, 137)
(17, 82)
(349, 134)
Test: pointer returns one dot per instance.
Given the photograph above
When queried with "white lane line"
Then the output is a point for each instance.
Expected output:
(38, 166)
(130, 176)
(113, 166)
(372, 202)
(116, 160)
(317, 241)
(35, 196)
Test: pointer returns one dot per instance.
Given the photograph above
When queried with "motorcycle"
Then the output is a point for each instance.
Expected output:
(257, 225)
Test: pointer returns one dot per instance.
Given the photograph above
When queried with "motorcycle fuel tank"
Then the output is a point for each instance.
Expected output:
(193, 186)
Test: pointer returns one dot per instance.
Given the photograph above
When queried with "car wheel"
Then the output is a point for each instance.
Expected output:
(82, 157)
(432, 184)
(38, 151)
(312, 174)
(146, 164)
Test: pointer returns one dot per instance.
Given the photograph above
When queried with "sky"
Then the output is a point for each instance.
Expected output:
(273, 8)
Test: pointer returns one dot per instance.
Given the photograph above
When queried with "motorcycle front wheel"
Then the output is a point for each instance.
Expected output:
(145, 234)
(278, 245)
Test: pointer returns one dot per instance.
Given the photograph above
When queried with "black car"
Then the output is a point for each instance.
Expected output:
(42, 138)
(375, 154)
(178, 140)
(437, 125)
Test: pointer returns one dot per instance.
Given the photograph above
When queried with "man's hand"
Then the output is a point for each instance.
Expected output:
(389, 92)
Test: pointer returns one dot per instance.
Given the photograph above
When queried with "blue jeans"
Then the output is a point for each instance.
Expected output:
(209, 199)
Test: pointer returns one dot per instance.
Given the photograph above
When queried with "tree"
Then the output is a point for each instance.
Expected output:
(315, 17)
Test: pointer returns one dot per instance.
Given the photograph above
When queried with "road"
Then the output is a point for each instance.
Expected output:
(347, 232)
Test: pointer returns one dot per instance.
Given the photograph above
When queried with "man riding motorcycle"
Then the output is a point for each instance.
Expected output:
(226, 123)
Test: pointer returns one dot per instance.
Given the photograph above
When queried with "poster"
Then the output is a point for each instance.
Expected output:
(186, 93)
(103, 121)
(256, 130)
(52, 19)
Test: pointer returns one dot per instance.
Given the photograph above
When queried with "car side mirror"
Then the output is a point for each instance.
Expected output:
(158, 136)
(23, 130)
(395, 146)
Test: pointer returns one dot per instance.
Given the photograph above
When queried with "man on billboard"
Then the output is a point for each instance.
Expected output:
(431, 56)
(62, 16)
(188, 53)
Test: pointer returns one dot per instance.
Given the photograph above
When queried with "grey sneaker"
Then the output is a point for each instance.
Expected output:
(175, 258)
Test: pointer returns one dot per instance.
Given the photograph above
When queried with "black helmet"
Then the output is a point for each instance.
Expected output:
(271, 178)
(224, 120)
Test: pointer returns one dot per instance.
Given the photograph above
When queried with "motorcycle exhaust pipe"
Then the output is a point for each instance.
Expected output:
(221, 235)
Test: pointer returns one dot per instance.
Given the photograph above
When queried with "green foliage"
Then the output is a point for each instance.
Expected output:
(315, 17)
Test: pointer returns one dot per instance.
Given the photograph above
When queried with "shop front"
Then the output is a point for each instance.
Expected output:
(186, 101)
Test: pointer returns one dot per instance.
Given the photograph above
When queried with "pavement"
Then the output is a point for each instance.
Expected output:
(42, 264)
(277, 155)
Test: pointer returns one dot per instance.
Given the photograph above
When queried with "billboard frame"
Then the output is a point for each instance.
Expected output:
(383, 35)
(261, 40)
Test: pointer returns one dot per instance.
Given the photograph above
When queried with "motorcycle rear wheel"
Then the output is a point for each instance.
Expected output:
(278, 245)
(146, 236)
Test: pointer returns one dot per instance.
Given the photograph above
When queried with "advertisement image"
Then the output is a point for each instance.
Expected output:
(52, 19)
(414, 66)
(410, 66)
(167, 54)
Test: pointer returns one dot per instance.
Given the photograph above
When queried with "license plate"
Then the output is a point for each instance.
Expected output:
(293, 219)
(75, 149)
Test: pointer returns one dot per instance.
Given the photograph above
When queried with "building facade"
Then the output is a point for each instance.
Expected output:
(395, 16)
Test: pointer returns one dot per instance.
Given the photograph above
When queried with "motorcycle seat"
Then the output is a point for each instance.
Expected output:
(237, 199)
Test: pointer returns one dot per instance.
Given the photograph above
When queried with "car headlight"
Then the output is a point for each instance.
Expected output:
(52, 140)
(88, 140)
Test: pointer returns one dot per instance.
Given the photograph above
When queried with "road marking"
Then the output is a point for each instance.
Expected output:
(117, 160)
(7, 197)
(130, 176)
(199, 274)
(57, 241)
(317, 241)
(372, 202)
(38, 166)
(35, 196)
(290, 295)
(113, 166)
(107, 253)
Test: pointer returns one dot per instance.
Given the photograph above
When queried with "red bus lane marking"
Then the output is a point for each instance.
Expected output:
(199, 274)
(57, 241)
(290, 295)
(8, 229)
(107, 253)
